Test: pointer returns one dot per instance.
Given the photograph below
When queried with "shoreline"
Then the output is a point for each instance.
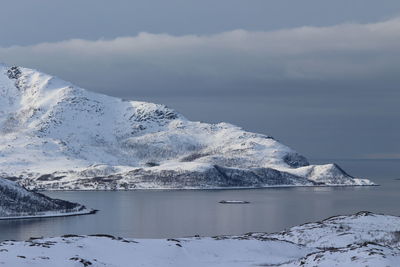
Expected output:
(68, 214)
(206, 188)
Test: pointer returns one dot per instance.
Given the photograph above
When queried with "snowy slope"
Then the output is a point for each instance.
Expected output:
(363, 239)
(55, 135)
(17, 202)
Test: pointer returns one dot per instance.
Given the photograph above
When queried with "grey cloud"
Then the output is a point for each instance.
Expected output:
(226, 62)
(27, 22)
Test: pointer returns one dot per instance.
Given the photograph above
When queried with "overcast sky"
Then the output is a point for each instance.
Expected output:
(321, 76)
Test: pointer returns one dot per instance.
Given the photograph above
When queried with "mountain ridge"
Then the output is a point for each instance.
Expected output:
(58, 136)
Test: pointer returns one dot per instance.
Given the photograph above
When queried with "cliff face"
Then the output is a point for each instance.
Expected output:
(55, 135)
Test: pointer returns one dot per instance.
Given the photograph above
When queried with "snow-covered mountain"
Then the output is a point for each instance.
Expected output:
(17, 202)
(363, 239)
(55, 135)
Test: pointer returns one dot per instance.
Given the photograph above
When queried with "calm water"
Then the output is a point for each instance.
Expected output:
(178, 213)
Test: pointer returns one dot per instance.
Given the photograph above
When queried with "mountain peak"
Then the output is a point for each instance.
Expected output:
(54, 129)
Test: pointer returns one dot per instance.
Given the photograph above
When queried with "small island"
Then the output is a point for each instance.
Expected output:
(234, 202)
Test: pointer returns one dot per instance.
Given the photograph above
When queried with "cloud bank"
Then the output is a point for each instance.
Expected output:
(229, 62)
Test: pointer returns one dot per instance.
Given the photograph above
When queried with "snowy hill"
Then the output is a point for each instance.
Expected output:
(55, 135)
(363, 239)
(17, 202)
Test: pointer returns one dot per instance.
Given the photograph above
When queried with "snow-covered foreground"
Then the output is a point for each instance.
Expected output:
(363, 239)
(54, 135)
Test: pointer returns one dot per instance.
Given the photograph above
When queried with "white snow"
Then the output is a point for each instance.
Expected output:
(363, 239)
(49, 126)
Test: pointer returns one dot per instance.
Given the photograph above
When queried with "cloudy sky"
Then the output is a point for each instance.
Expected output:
(321, 76)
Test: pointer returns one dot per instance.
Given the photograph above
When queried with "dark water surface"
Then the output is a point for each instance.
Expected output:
(178, 213)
